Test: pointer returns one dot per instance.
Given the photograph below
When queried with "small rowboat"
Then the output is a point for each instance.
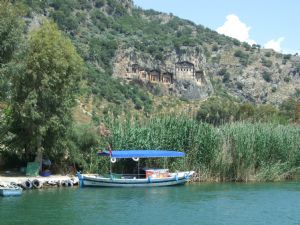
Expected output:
(10, 190)
(151, 178)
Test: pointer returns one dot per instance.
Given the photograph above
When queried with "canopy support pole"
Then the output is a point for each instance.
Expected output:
(139, 169)
(110, 169)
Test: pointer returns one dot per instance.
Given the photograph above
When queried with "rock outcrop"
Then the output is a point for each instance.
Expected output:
(182, 75)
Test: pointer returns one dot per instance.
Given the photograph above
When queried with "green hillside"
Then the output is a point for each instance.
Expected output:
(101, 30)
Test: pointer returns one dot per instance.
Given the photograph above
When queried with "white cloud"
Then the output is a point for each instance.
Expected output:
(234, 27)
(275, 44)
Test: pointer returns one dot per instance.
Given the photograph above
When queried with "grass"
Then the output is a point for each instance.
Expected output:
(232, 152)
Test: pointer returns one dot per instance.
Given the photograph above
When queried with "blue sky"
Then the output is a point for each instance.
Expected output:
(272, 24)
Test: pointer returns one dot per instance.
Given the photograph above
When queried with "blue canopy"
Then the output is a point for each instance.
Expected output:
(142, 153)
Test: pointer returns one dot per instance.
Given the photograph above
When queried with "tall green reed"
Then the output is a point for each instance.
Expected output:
(236, 151)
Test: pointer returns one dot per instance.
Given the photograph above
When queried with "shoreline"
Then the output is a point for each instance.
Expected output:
(8, 178)
(62, 180)
(26, 182)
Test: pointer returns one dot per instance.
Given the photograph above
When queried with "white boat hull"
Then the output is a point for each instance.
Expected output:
(97, 181)
(10, 191)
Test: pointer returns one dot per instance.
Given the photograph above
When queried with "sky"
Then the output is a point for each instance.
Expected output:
(269, 23)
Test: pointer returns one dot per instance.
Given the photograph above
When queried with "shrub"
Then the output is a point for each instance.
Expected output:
(243, 57)
(216, 59)
(268, 54)
(246, 46)
(267, 76)
(226, 77)
(215, 48)
(287, 79)
(238, 53)
(239, 85)
(99, 3)
(236, 42)
(222, 72)
(287, 56)
(266, 62)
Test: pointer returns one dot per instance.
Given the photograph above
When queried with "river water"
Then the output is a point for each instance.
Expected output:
(211, 204)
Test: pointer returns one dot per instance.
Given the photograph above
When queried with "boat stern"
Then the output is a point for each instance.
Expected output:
(80, 178)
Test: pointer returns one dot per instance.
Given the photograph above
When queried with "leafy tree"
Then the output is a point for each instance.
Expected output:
(291, 109)
(236, 42)
(268, 113)
(10, 31)
(10, 36)
(246, 46)
(84, 141)
(43, 93)
(101, 51)
(246, 111)
(217, 111)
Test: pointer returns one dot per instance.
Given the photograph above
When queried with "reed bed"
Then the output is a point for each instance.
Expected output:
(232, 152)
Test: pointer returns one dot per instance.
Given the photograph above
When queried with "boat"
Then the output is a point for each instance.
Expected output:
(10, 190)
(152, 177)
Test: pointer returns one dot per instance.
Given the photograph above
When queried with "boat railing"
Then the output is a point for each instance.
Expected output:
(138, 176)
(124, 175)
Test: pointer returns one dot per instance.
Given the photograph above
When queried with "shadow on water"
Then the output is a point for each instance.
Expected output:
(269, 203)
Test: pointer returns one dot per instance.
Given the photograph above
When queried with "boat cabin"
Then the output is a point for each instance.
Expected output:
(156, 173)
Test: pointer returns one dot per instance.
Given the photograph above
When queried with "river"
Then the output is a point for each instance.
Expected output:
(211, 204)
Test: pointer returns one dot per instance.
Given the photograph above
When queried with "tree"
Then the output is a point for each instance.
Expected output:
(10, 31)
(10, 36)
(291, 109)
(43, 93)
(217, 111)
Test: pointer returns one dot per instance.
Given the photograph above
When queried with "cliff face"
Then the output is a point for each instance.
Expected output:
(269, 79)
(183, 59)
(179, 75)
(246, 72)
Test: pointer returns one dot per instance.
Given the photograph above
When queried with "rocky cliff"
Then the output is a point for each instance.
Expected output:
(267, 77)
(115, 36)
(246, 72)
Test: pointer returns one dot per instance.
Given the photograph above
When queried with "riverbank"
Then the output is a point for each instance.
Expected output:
(31, 182)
